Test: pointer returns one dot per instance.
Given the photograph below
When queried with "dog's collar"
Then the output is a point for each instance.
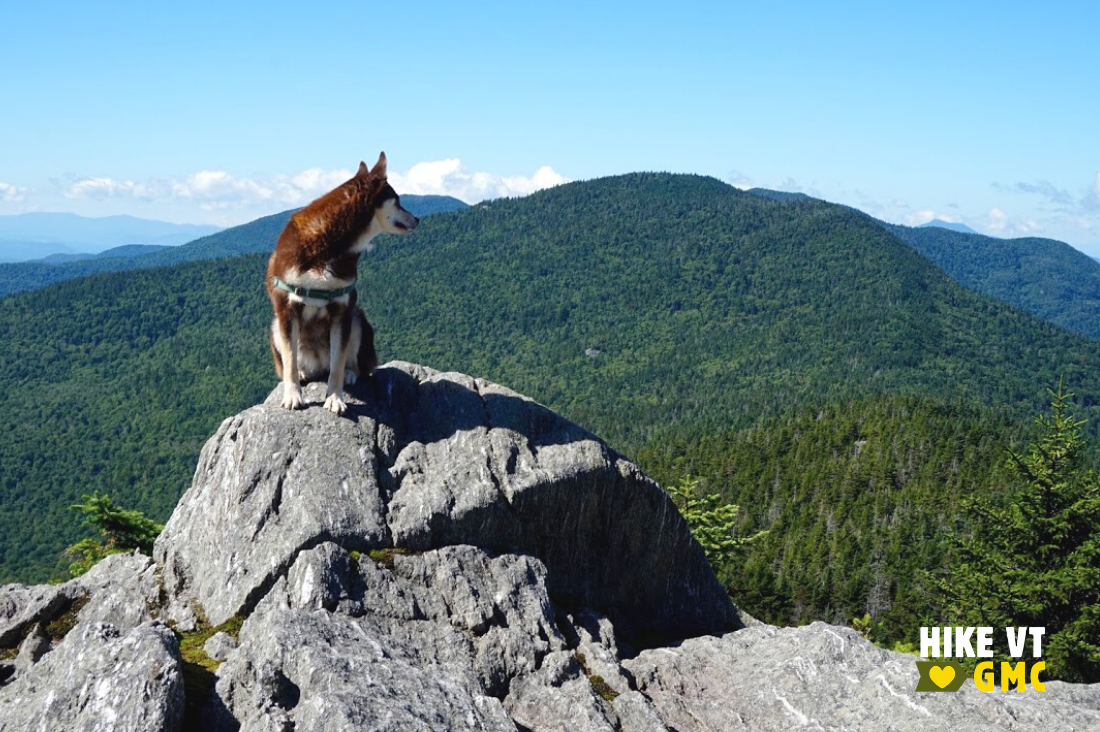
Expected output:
(312, 294)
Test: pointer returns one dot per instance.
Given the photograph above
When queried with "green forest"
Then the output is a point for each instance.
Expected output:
(859, 498)
(1047, 278)
(796, 357)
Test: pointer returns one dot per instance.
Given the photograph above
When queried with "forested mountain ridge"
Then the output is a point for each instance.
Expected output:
(1045, 277)
(687, 280)
(712, 309)
(255, 236)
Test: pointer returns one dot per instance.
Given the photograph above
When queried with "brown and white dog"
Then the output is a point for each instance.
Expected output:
(318, 328)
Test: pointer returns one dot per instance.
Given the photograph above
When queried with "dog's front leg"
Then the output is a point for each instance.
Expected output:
(288, 345)
(337, 357)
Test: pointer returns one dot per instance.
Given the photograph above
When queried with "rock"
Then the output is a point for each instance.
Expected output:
(428, 460)
(427, 640)
(500, 603)
(122, 590)
(636, 714)
(36, 645)
(89, 657)
(312, 671)
(100, 679)
(822, 677)
(453, 556)
(597, 650)
(559, 697)
(219, 646)
(21, 608)
(320, 577)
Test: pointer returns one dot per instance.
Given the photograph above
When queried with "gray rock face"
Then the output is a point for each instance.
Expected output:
(429, 460)
(99, 680)
(121, 591)
(21, 608)
(220, 646)
(421, 644)
(532, 562)
(823, 677)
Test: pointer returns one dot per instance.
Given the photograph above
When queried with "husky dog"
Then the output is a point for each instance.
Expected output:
(318, 328)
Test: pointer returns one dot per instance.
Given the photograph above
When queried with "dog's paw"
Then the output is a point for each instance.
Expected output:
(349, 378)
(292, 397)
(335, 404)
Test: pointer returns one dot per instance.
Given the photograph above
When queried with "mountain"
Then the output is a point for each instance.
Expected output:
(126, 250)
(782, 196)
(1047, 278)
(950, 226)
(36, 235)
(255, 236)
(714, 311)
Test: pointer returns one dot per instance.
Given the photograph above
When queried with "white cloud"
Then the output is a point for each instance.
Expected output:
(1061, 200)
(10, 193)
(1002, 224)
(916, 218)
(998, 220)
(101, 188)
(793, 186)
(218, 190)
(1092, 200)
(450, 178)
(1058, 197)
(737, 179)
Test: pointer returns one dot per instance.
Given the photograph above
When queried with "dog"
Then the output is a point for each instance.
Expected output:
(318, 327)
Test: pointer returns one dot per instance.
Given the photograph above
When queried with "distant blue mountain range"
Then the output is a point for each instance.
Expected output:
(255, 236)
(941, 224)
(126, 250)
(37, 235)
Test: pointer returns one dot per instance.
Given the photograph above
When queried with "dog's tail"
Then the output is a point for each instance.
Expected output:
(275, 354)
(367, 359)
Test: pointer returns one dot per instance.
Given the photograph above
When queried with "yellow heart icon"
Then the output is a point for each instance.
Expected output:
(941, 675)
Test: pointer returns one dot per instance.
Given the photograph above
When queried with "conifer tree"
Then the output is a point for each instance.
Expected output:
(713, 523)
(122, 530)
(1033, 558)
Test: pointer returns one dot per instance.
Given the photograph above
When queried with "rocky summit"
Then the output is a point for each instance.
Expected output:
(449, 555)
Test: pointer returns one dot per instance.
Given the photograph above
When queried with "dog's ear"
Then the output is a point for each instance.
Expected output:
(379, 168)
(362, 168)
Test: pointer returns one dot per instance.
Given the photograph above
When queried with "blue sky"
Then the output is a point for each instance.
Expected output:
(985, 113)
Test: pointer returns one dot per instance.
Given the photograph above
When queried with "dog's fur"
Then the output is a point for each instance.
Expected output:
(319, 249)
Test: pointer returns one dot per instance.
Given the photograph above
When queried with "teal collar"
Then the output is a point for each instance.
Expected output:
(312, 294)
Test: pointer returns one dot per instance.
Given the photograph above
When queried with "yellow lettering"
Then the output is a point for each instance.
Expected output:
(1009, 673)
(983, 676)
(1035, 669)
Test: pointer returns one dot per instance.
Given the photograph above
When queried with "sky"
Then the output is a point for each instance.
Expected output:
(982, 113)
